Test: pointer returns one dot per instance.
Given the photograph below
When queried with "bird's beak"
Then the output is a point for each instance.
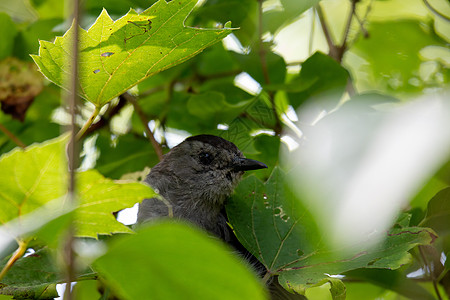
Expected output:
(246, 164)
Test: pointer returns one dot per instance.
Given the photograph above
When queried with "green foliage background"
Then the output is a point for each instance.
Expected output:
(183, 80)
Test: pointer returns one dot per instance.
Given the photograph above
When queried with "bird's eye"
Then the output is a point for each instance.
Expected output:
(205, 158)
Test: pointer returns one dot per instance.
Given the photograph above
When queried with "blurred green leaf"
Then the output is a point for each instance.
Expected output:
(128, 154)
(276, 19)
(216, 61)
(391, 55)
(212, 107)
(49, 9)
(31, 178)
(117, 55)
(242, 14)
(37, 126)
(173, 261)
(7, 32)
(99, 198)
(27, 40)
(393, 280)
(87, 290)
(19, 10)
(271, 222)
(38, 175)
(438, 212)
(252, 64)
(320, 77)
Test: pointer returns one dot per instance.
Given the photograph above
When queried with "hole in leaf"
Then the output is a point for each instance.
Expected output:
(96, 71)
(300, 252)
(285, 217)
(107, 54)
(277, 211)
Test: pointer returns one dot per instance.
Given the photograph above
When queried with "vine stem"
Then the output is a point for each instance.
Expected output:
(88, 123)
(430, 272)
(265, 70)
(144, 120)
(14, 138)
(72, 151)
(266, 277)
(16, 255)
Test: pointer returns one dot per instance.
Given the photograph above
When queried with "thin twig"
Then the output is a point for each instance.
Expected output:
(262, 51)
(333, 49)
(144, 120)
(72, 100)
(262, 56)
(16, 255)
(347, 28)
(88, 123)
(13, 138)
(311, 34)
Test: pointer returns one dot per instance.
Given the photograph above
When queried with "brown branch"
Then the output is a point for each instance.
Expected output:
(336, 52)
(144, 120)
(13, 138)
(333, 49)
(343, 47)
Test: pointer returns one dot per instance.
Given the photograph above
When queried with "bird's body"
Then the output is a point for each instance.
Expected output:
(196, 177)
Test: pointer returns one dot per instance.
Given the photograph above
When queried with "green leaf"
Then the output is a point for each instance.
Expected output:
(391, 60)
(31, 178)
(116, 55)
(321, 77)
(438, 212)
(173, 261)
(129, 154)
(272, 223)
(394, 280)
(99, 198)
(276, 19)
(7, 32)
(242, 13)
(251, 63)
(38, 175)
(212, 107)
(31, 277)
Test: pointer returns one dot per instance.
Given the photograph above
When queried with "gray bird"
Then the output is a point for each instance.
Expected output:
(196, 177)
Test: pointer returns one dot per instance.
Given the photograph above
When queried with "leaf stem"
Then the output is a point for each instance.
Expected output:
(14, 138)
(266, 277)
(144, 120)
(427, 267)
(88, 123)
(17, 254)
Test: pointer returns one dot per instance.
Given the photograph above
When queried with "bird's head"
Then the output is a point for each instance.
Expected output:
(208, 165)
